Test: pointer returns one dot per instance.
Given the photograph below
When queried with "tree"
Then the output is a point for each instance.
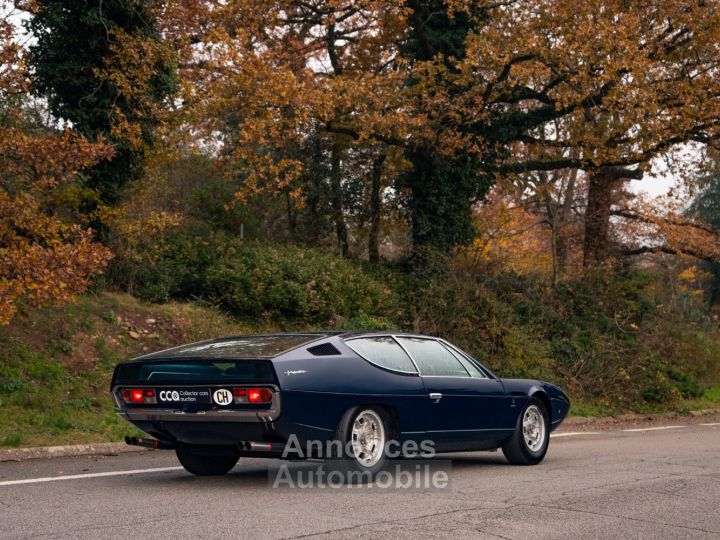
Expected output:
(706, 207)
(442, 185)
(625, 82)
(103, 67)
(471, 91)
(44, 257)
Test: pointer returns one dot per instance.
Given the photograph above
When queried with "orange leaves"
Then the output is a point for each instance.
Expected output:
(131, 68)
(37, 162)
(666, 230)
(13, 79)
(263, 77)
(43, 261)
(626, 80)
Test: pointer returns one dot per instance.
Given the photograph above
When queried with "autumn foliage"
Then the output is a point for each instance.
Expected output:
(471, 169)
(373, 128)
(45, 258)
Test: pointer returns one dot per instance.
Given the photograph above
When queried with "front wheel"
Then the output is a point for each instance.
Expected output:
(529, 443)
(202, 464)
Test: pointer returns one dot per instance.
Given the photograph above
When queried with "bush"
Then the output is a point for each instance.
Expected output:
(289, 282)
(177, 267)
(609, 338)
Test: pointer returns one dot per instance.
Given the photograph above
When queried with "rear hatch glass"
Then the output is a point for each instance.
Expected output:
(238, 347)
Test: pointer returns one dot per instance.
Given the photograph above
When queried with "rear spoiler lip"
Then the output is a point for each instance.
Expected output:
(162, 359)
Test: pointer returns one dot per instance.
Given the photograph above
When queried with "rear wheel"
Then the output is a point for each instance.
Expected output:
(203, 464)
(529, 443)
(364, 431)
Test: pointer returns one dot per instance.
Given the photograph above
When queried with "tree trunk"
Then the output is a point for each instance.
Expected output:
(597, 218)
(442, 191)
(563, 220)
(292, 222)
(375, 209)
(337, 200)
(601, 186)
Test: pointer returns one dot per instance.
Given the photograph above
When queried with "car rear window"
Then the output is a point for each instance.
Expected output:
(432, 358)
(197, 372)
(239, 347)
(383, 351)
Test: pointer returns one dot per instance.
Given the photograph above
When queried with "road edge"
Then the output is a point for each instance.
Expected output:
(636, 418)
(73, 450)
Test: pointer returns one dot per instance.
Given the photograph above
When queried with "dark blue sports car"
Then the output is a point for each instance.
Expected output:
(215, 401)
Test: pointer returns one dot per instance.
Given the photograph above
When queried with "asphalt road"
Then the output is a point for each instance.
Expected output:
(663, 483)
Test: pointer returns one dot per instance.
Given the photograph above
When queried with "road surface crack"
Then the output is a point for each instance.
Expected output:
(388, 521)
(628, 518)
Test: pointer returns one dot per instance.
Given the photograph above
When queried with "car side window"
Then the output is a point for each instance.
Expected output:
(467, 363)
(383, 351)
(432, 358)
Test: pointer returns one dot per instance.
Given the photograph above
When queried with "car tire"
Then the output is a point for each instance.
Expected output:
(367, 430)
(202, 464)
(529, 443)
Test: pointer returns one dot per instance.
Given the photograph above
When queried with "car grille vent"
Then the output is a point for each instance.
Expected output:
(324, 349)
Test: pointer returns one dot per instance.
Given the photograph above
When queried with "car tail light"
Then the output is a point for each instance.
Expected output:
(139, 395)
(252, 395)
(240, 396)
(259, 395)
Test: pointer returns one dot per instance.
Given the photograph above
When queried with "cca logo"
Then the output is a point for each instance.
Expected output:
(223, 397)
(169, 395)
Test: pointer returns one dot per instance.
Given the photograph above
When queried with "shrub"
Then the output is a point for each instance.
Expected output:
(610, 337)
(607, 337)
(177, 266)
(289, 282)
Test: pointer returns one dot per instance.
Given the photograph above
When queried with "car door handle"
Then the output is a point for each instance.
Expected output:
(435, 396)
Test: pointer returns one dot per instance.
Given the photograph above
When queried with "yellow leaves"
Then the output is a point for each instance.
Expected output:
(510, 235)
(689, 274)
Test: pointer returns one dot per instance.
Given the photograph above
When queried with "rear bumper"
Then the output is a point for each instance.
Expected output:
(222, 415)
(214, 426)
(209, 433)
(215, 414)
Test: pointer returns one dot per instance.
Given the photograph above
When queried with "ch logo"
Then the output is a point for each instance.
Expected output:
(223, 397)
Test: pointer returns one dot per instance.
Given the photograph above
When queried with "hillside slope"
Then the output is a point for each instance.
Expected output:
(56, 363)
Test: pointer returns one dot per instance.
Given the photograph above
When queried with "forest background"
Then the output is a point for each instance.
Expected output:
(477, 170)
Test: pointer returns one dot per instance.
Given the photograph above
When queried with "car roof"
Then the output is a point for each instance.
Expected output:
(270, 345)
(368, 333)
(245, 346)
